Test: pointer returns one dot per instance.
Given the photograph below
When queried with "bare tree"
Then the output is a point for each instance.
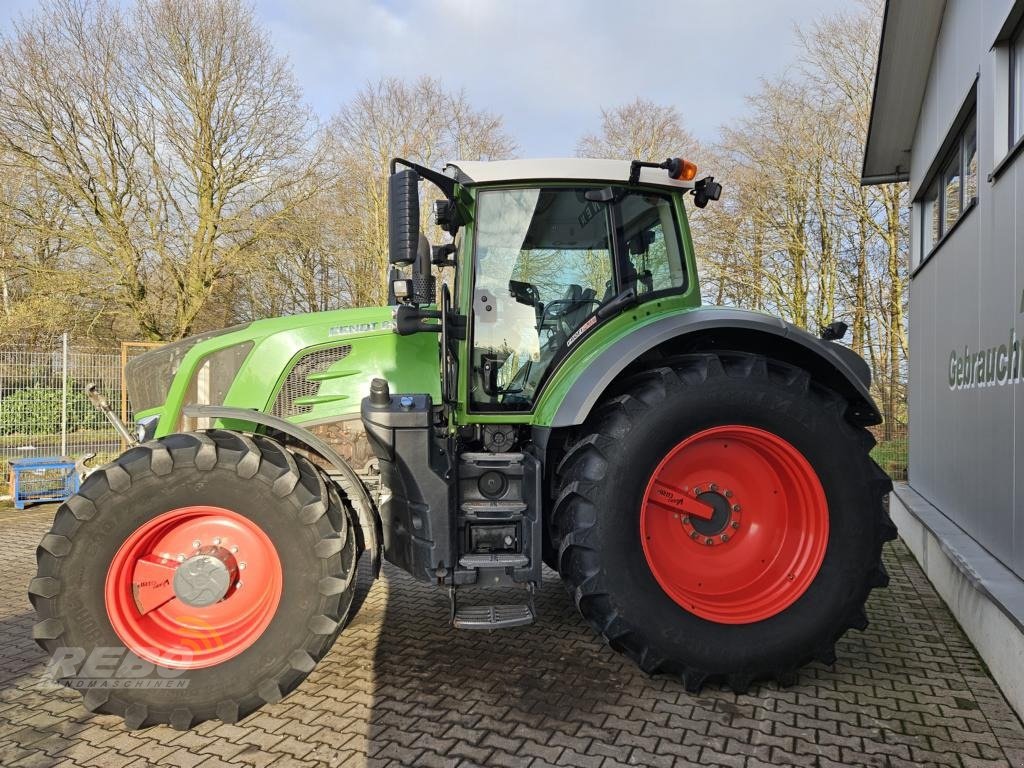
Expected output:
(33, 258)
(640, 130)
(840, 61)
(174, 134)
(420, 121)
(796, 234)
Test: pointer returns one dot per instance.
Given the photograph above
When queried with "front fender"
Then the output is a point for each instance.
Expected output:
(710, 328)
(366, 510)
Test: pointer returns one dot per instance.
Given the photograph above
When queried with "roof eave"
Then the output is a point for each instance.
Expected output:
(910, 29)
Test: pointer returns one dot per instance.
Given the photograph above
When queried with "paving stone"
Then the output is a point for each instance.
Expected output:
(400, 688)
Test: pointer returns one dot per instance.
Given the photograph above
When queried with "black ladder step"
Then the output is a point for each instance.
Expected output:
(492, 459)
(494, 509)
(492, 616)
(494, 560)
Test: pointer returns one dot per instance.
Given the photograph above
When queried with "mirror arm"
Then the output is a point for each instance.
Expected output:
(445, 183)
(410, 319)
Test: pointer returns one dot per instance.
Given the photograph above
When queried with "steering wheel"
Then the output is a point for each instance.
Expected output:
(557, 311)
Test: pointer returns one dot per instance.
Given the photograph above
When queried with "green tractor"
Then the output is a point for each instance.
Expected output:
(698, 476)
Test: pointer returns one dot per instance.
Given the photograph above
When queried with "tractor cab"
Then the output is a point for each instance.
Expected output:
(545, 253)
(551, 259)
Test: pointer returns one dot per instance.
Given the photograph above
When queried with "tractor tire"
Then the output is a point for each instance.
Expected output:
(149, 558)
(719, 519)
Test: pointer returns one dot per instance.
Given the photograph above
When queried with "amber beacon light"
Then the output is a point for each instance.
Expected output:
(681, 170)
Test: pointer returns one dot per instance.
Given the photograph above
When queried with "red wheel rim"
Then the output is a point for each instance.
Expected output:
(734, 524)
(156, 623)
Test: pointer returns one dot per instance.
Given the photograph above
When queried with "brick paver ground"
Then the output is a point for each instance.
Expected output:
(400, 688)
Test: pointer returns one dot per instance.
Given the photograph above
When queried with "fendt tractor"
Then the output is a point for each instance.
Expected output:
(698, 476)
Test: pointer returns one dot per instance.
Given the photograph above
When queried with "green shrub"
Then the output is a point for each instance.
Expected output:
(37, 411)
(32, 411)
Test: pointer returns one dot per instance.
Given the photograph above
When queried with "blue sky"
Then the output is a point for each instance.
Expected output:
(547, 66)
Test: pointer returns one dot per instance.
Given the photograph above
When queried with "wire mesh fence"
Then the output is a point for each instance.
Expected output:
(891, 450)
(44, 410)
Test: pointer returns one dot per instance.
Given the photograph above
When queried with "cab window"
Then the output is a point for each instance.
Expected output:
(545, 262)
(654, 259)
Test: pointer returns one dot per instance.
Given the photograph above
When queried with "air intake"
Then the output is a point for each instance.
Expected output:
(298, 385)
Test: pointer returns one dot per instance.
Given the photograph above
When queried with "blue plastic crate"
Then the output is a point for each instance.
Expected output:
(37, 480)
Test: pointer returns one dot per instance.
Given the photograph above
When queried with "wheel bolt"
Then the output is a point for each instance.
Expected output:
(234, 550)
(713, 487)
(697, 490)
(725, 537)
(216, 541)
(735, 507)
(728, 494)
(238, 585)
(196, 544)
(694, 535)
(241, 566)
(735, 524)
(709, 540)
(180, 558)
(686, 519)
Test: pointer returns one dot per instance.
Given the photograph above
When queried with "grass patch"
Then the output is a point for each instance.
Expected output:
(891, 456)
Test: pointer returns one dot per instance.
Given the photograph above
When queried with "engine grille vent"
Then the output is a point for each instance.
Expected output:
(298, 385)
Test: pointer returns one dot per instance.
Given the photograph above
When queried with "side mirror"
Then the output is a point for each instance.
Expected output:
(523, 293)
(403, 216)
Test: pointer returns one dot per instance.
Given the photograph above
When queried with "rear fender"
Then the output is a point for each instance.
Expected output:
(711, 328)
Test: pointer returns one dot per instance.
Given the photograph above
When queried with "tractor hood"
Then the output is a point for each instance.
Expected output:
(305, 368)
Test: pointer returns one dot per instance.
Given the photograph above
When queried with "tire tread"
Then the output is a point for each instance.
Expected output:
(290, 474)
(575, 509)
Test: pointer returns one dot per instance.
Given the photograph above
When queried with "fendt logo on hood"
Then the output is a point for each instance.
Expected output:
(997, 365)
(347, 330)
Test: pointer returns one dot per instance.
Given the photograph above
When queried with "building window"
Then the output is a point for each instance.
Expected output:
(970, 163)
(930, 219)
(953, 190)
(1017, 86)
(951, 193)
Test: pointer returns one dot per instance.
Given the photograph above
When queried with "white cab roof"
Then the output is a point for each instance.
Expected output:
(556, 169)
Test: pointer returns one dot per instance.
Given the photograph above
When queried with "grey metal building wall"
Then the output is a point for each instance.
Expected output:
(967, 445)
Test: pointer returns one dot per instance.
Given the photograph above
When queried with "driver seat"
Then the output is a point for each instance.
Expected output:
(582, 304)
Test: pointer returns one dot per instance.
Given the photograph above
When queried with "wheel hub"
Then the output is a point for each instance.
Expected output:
(734, 524)
(724, 521)
(206, 577)
(174, 591)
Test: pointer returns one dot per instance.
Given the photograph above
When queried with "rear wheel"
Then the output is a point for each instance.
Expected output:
(719, 518)
(219, 562)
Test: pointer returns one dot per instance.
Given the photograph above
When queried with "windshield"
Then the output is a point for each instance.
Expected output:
(545, 262)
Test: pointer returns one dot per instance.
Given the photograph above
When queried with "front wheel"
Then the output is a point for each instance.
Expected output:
(719, 518)
(197, 576)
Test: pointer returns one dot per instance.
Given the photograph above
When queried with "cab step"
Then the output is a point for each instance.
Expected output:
(492, 616)
(494, 510)
(494, 560)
